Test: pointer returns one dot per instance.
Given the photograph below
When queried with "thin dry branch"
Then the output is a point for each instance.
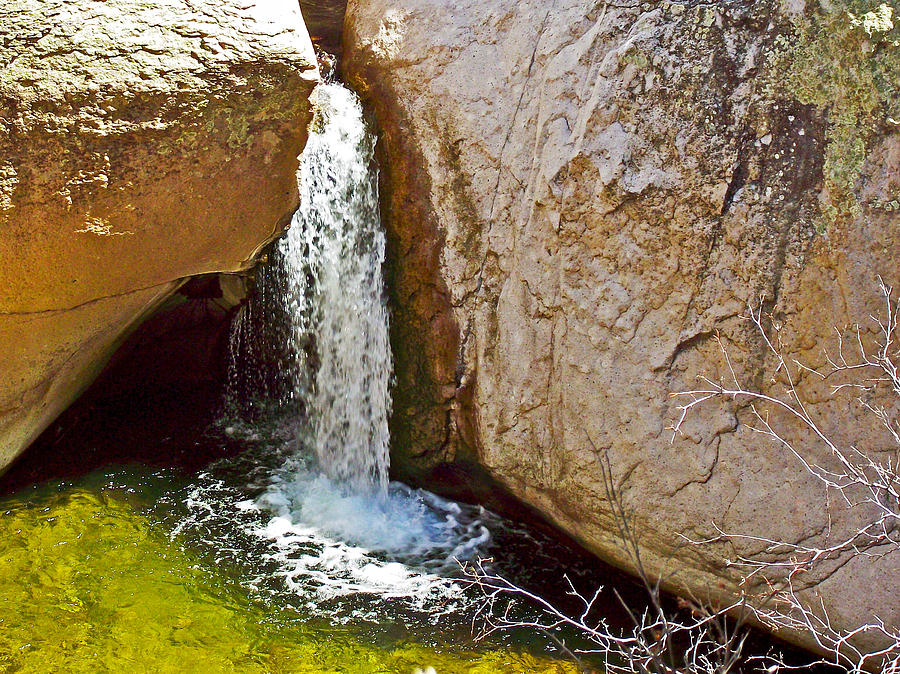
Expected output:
(698, 640)
(866, 483)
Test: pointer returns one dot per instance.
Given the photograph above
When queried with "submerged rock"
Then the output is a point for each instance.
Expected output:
(579, 197)
(140, 143)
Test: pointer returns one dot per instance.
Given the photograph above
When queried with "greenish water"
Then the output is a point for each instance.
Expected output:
(90, 582)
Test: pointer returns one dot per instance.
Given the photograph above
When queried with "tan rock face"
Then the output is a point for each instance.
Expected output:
(140, 143)
(579, 195)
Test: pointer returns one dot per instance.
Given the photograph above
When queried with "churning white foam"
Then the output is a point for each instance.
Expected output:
(334, 543)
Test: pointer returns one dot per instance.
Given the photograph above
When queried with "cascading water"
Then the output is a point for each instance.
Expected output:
(296, 522)
(311, 365)
(315, 337)
(309, 386)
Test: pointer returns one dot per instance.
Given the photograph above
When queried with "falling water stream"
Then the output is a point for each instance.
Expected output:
(294, 552)
(320, 314)
(325, 285)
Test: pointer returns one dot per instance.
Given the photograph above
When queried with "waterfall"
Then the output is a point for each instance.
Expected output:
(311, 370)
(312, 341)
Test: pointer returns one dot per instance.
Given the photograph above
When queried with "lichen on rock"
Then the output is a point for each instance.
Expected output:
(843, 57)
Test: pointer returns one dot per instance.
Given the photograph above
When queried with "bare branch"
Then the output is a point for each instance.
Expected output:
(698, 639)
(867, 484)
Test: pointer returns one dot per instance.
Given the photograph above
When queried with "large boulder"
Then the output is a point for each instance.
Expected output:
(141, 143)
(579, 196)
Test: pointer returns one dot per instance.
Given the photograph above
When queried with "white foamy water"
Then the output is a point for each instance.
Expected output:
(333, 255)
(336, 551)
(407, 544)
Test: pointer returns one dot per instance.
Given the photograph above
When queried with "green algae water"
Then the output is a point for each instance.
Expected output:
(94, 578)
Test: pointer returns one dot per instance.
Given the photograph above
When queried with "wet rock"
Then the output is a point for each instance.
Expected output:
(325, 20)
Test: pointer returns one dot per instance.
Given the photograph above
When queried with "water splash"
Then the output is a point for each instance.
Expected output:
(296, 531)
(311, 369)
(314, 339)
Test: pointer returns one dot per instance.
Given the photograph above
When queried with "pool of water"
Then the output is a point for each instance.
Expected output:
(253, 562)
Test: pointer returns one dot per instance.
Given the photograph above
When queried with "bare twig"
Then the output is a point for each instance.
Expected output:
(697, 639)
(863, 482)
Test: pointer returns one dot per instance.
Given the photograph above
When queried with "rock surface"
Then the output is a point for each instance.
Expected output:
(140, 143)
(579, 195)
